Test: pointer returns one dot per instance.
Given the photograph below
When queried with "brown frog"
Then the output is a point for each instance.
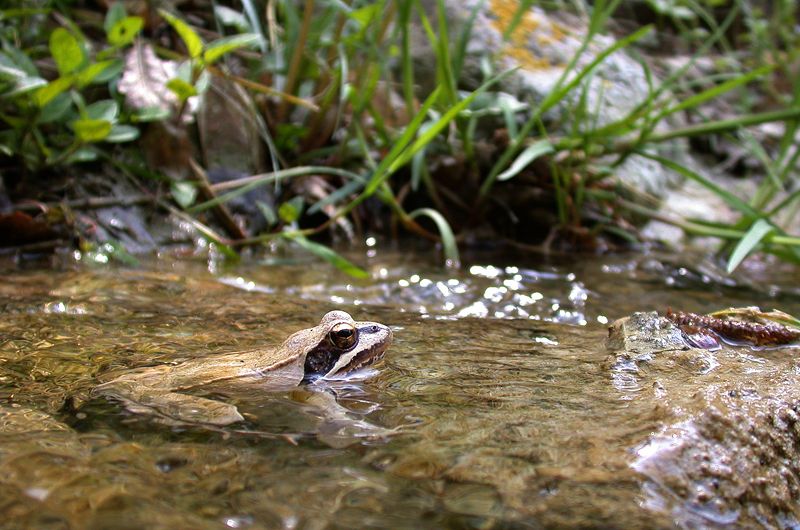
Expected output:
(337, 346)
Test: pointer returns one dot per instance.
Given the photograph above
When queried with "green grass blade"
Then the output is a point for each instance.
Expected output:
(528, 155)
(556, 95)
(381, 171)
(220, 47)
(267, 178)
(751, 239)
(348, 189)
(716, 91)
(445, 232)
(430, 133)
(328, 255)
(732, 200)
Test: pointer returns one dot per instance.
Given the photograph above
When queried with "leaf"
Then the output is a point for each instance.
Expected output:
(106, 109)
(9, 70)
(150, 114)
(46, 94)
(66, 50)
(220, 47)
(290, 211)
(445, 232)
(269, 214)
(124, 31)
(84, 154)
(117, 251)
(528, 155)
(181, 88)
(122, 133)
(337, 195)
(25, 85)
(20, 59)
(193, 42)
(365, 15)
(89, 130)
(144, 81)
(115, 13)
(716, 91)
(751, 239)
(184, 193)
(328, 255)
(55, 110)
(732, 200)
(231, 17)
(93, 71)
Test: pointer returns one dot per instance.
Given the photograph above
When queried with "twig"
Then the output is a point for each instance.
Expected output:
(221, 211)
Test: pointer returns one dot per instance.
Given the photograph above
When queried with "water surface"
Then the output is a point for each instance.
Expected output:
(498, 405)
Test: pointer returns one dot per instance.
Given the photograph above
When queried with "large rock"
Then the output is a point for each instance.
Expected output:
(541, 46)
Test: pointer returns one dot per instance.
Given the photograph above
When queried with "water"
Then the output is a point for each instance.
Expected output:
(498, 405)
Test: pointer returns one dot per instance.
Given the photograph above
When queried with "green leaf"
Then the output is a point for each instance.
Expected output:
(751, 239)
(365, 14)
(55, 110)
(716, 91)
(268, 212)
(84, 154)
(111, 71)
(9, 70)
(732, 200)
(345, 191)
(20, 59)
(445, 232)
(106, 109)
(329, 255)
(193, 42)
(124, 31)
(91, 130)
(66, 50)
(122, 133)
(220, 47)
(528, 155)
(25, 85)
(150, 114)
(291, 210)
(181, 88)
(115, 13)
(8, 142)
(55, 87)
(91, 72)
(184, 193)
(231, 17)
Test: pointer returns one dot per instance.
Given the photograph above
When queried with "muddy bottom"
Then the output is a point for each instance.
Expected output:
(497, 406)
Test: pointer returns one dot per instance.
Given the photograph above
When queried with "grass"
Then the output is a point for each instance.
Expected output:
(316, 73)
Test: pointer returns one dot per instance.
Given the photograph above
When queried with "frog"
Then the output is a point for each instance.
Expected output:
(333, 349)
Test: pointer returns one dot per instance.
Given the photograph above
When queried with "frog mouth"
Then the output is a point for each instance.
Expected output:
(326, 361)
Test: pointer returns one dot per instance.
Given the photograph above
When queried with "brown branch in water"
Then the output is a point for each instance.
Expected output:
(770, 334)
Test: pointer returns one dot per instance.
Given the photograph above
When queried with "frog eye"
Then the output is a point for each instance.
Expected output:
(343, 335)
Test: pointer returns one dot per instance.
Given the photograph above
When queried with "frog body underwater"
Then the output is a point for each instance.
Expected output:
(337, 346)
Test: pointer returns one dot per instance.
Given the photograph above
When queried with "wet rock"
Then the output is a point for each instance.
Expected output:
(725, 453)
(541, 46)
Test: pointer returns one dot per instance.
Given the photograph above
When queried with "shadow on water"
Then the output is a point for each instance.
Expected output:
(498, 405)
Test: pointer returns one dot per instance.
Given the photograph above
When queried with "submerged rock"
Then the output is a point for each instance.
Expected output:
(727, 452)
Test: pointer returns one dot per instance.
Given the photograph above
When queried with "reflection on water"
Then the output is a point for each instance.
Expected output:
(498, 404)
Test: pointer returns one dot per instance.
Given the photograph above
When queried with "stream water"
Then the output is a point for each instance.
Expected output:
(497, 406)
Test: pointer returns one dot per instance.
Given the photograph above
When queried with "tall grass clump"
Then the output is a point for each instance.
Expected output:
(334, 93)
